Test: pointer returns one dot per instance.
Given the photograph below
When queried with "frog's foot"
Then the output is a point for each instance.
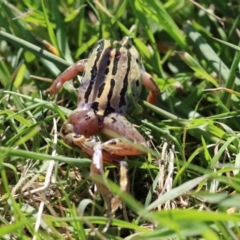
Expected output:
(122, 147)
(74, 140)
(69, 136)
(80, 129)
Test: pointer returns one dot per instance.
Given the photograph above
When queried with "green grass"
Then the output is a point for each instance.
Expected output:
(188, 187)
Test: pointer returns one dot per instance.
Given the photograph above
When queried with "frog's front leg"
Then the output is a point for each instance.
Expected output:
(67, 75)
(149, 83)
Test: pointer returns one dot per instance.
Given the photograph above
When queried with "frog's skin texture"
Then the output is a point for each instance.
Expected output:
(112, 79)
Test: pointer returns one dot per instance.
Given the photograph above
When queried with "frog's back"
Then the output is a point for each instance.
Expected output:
(112, 77)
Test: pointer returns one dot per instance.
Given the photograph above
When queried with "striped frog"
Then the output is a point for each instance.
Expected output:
(112, 80)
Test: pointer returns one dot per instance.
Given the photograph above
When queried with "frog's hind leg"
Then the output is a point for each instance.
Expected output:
(126, 140)
(97, 173)
(113, 151)
(132, 143)
(98, 176)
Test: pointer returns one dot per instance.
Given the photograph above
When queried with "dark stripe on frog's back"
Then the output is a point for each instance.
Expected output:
(109, 91)
(124, 89)
(105, 109)
(108, 108)
(110, 86)
(117, 100)
(116, 46)
(94, 70)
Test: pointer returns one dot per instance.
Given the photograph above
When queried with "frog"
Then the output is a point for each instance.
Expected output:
(112, 80)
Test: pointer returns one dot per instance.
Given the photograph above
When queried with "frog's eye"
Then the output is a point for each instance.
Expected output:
(127, 42)
(100, 45)
(99, 42)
